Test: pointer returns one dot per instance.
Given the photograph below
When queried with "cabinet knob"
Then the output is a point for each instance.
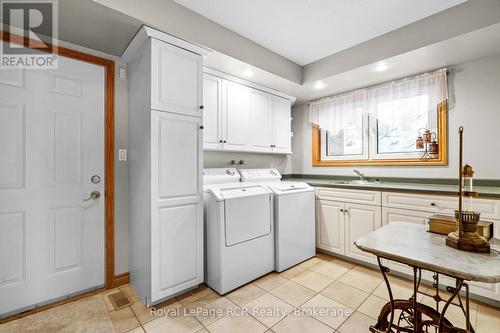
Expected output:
(201, 107)
(220, 141)
(201, 127)
(224, 141)
(433, 204)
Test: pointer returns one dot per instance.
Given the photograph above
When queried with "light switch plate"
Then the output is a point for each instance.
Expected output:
(123, 73)
(122, 154)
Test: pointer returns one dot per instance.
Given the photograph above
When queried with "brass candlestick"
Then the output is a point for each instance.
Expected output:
(466, 237)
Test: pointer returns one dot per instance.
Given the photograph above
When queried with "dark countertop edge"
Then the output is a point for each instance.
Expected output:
(430, 181)
(401, 190)
(484, 195)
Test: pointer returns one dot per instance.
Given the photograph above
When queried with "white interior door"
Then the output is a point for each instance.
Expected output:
(51, 144)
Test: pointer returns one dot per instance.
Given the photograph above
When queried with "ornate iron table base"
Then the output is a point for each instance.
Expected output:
(413, 316)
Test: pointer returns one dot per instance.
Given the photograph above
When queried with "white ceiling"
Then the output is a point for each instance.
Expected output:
(307, 30)
(474, 45)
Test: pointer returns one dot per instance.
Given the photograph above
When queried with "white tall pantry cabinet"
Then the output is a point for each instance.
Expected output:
(165, 164)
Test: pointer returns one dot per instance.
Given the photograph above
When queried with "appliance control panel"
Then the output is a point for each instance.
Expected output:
(220, 175)
(249, 175)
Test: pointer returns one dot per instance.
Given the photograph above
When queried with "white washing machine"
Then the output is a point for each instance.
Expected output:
(294, 221)
(239, 231)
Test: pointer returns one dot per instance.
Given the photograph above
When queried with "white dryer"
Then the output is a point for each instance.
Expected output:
(294, 219)
(239, 232)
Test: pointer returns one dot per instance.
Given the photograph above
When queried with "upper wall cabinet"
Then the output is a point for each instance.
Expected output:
(241, 116)
(212, 111)
(235, 116)
(281, 125)
(176, 79)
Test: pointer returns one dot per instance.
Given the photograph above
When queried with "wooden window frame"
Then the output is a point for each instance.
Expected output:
(441, 160)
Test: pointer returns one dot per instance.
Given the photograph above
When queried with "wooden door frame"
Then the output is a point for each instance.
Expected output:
(109, 145)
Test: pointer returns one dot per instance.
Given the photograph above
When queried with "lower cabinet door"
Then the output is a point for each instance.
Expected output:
(403, 215)
(360, 220)
(330, 230)
(177, 249)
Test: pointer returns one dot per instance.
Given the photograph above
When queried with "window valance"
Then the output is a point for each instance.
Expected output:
(431, 87)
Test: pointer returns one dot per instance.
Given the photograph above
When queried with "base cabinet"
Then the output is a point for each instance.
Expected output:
(360, 220)
(330, 224)
(390, 215)
(339, 224)
(344, 215)
(404, 215)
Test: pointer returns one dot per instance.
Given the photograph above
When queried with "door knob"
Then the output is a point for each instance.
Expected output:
(94, 195)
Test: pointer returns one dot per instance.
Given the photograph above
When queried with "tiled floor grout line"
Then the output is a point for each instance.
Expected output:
(316, 293)
(135, 315)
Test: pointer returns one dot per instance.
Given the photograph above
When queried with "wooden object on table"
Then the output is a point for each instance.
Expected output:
(444, 224)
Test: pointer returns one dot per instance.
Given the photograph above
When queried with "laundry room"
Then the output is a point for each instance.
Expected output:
(249, 166)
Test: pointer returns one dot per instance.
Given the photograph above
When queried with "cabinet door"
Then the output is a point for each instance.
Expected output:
(176, 76)
(330, 226)
(177, 249)
(236, 109)
(282, 125)
(403, 215)
(176, 203)
(212, 112)
(176, 158)
(261, 120)
(360, 221)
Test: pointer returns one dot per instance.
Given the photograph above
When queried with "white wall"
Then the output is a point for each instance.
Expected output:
(222, 159)
(474, 103)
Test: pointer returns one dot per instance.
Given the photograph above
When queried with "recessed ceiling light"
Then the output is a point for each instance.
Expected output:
(319, 85)
(248, 72)
(381, 66)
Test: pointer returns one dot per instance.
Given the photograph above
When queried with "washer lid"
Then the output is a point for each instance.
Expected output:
(284, 187)
(223, 192)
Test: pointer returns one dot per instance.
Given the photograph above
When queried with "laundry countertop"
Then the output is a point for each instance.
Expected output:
(387, 186)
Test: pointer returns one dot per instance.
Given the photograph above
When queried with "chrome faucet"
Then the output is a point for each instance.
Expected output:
(360, 175)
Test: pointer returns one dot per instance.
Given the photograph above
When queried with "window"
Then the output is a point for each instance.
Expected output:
(346, 138)
(380, 126)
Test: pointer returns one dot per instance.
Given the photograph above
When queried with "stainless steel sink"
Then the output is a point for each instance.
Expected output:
(353, 182)
(340, 182)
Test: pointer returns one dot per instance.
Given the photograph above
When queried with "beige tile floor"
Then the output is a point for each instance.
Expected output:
(355, 292)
